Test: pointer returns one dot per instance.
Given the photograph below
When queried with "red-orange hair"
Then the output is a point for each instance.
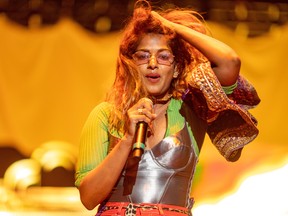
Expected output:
(127, 88)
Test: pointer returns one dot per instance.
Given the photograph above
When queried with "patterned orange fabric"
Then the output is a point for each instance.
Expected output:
(230, 125)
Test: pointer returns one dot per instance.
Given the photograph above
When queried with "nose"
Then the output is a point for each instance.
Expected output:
(152, 62)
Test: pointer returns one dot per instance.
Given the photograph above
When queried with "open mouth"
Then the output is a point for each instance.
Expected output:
(153, 76)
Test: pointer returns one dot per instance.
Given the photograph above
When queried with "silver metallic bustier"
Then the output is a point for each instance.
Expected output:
(163, 175)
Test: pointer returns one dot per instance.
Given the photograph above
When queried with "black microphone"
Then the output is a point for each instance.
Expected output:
(139, 139)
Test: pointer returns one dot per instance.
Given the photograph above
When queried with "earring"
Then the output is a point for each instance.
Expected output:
(175, 74)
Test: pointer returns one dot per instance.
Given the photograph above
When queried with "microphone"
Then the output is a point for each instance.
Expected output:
(139, 139)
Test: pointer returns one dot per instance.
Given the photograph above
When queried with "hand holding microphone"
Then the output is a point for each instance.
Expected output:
(139, 141)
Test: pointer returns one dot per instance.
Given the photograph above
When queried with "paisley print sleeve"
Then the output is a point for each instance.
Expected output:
(230, 125)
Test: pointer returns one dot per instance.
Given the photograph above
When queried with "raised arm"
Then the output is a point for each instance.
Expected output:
(225, 62)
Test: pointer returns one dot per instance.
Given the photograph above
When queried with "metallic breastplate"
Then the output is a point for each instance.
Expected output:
(164, 173)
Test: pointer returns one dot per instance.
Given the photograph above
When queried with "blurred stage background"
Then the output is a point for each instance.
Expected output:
(57, 61)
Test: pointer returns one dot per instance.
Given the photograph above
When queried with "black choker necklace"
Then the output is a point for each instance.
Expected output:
(161, 100)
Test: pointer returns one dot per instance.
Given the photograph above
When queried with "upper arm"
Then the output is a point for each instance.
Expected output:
(93, 143)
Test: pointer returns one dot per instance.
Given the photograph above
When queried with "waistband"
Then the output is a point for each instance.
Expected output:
(133, 209)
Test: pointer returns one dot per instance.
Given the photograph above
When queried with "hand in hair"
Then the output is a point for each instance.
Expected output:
(164, 21)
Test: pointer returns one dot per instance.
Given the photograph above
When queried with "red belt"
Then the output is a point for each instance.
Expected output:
(131, 209)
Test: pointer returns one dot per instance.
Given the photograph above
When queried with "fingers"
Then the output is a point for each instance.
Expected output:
(163, 20)
(145, 109)
(142, 111)
(145, 102)
(157, 16)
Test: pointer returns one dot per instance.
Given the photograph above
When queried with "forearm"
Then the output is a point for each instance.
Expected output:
(225, 61)
(99, 182)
